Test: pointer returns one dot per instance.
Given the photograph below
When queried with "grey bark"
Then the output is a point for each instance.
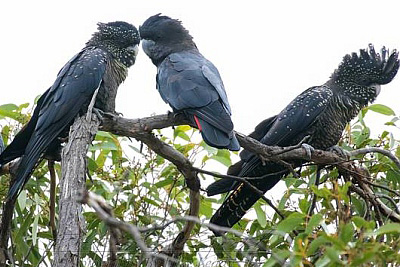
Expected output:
(71, 224)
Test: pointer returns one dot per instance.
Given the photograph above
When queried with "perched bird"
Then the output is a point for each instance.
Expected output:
(320, 112)
(187, 81)
(102, 64)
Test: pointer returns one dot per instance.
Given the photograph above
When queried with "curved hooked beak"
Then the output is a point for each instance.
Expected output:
(133, 48)
(377, 88)
(147, 45)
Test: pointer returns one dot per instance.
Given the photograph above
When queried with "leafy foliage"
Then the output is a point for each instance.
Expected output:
(145, 189)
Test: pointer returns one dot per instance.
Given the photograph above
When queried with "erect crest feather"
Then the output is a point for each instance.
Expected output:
(368, 67)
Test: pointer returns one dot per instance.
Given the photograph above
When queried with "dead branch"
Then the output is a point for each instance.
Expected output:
(71, 224)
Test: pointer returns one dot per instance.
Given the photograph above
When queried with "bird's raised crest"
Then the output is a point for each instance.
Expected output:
(380, 68)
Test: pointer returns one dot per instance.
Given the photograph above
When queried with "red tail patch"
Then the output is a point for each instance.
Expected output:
(197, 122)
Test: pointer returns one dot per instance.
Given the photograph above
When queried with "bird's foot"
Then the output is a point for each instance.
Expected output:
(176, 114)
(99, 113)
(115, 113)
(170, 114)
(340, 151)
(63, 139)
(309, 150)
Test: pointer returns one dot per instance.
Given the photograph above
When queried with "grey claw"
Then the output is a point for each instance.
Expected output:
(99, 113)
(340, 151)
(309, 149)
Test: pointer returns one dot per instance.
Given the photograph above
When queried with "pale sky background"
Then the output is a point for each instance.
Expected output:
(266, 52)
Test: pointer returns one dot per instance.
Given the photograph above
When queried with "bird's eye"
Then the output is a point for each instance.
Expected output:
(363, 81)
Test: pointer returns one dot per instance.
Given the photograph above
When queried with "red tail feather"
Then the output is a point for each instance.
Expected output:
(197, 122)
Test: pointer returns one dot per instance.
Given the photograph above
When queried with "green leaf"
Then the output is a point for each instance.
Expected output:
(166, 181)
(314, 222)
(304, 205)
(22, 200)
(35, 229)
(291, 222)
(317, 244)
(322, 192)
(223, 156)
(104, 134)
(388, 228)
(346, 233)
(103, 146)
(210, 150)
(206, 208)
(8, 107)
(333, 254)
(382, 109)
(262, 219)
(22, 106)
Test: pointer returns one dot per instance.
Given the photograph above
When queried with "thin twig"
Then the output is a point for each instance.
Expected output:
(314, 196)
(387, 153)
(382, 187)
(246, 182)
(390, 200)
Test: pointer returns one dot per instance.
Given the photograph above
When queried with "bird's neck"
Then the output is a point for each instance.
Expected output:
(160, 52)
(350, 92)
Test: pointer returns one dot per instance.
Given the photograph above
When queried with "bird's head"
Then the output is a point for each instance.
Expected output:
(361, 76)
(162, 36)
(119, 38)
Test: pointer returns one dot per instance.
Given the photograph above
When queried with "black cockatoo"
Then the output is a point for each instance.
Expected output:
(187, 81)
(102, 64)
(320, 112)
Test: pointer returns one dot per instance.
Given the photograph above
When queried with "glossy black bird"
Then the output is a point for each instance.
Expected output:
(187, 81)
(320, 112)
(102, 64)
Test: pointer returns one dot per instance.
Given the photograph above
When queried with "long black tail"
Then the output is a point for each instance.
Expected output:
(243, 198)
(17, 147)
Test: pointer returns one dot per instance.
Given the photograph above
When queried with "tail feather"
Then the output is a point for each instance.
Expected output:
(215, 125)
(221, 186)
(33, 152)
(215, 137)
(243, 196)
(17, 147)
(225, 184)
(234, 207)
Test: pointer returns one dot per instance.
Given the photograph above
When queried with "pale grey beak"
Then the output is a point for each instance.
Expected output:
(147, 45)
(133, 48)
(377, 88)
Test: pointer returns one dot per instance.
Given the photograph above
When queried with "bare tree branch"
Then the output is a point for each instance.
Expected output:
(71, 225)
